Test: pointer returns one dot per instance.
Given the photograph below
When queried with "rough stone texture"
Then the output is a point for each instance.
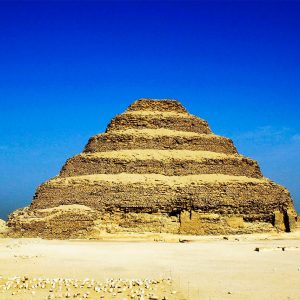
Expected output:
(297, 222)
(146, 104)
(137, 222)
(65, 221)
(157, 169)
(167, 194)
(203, 223)
(183, 122)
(143, 139)
(3, 228)
(167, 164)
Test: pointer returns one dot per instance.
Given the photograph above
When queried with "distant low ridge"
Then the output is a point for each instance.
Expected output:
(157, 168)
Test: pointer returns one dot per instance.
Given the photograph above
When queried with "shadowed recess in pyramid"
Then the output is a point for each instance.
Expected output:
(157, 168)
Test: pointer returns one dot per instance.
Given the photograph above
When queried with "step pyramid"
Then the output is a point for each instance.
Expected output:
(157, 168)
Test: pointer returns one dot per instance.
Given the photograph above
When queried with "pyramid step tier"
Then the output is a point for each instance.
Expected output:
(165, 162)
(158, 120)
(221, 194)
(159, 139)
(146, 104)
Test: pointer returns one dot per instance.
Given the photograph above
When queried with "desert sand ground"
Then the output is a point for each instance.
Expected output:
(200, 267)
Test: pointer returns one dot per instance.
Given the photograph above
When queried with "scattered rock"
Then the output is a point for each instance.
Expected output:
(184, 241)
(61, 288)
(279, 248)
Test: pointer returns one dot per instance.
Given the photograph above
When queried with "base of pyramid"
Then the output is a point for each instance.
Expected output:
(85, 206)
(79, 221)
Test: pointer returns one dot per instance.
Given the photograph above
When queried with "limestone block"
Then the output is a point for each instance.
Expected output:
(166, 162)
(137, 222)
(159, 139)
(146, 104)
(298, 222)
(147, 120)
(235, 222)
(279, 220)
(199, 223)
(292, 218)
(65, 221)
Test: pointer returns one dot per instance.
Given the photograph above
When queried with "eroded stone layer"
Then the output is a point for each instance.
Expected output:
(65, 221)
(159, 105)
(159, 139)
(150, 193)
(157, 120)
(78, 221)
(165, 162)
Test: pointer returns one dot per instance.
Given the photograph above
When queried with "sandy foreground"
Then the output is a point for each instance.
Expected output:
(199, 267)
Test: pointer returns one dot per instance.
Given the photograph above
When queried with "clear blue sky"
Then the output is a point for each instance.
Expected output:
(66, 68)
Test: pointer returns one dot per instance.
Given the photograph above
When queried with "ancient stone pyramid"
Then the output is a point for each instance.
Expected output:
(157, 168)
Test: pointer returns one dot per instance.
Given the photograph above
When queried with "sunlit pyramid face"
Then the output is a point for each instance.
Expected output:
(157, 168)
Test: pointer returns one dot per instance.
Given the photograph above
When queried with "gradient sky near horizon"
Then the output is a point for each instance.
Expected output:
(66, 68)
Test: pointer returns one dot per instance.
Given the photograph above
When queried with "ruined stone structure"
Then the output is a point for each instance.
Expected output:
(157, 168)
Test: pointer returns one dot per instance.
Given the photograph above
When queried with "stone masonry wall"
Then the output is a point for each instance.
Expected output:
(181, 123)
(87, 165)
(222, 198)
(117, 141)
(162, 105)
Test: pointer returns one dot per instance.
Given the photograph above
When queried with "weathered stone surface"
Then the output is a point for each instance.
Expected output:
(3, 228)
(156, 169)
(279, 220)
(297, 225)
(159, 139)
(115, 222)
(150, 193)
(146, 104)
(205, 223)
(290, 219)
(65, 221)
(157, 120)
(172, 162)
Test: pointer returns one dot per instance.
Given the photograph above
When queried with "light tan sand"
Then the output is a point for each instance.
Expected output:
(126, 178)
(161, 132)
(151, 154)
(207, 268)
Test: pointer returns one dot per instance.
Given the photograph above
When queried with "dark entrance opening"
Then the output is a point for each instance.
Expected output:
(286, 221)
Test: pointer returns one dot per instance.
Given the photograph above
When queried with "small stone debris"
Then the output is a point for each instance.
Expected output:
(184, 241)
(67, 288)
(279, 248)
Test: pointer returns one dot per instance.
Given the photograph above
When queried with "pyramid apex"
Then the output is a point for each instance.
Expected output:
(144, 104)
